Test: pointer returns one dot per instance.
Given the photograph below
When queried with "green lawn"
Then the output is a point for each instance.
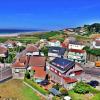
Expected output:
(22, 39)
(16, 89)
(36, 86)
(95, 95)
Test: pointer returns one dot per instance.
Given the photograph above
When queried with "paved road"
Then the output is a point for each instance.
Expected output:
(92, 71)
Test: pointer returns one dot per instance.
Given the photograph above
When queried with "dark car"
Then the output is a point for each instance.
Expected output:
(44, 82)
(93, 83)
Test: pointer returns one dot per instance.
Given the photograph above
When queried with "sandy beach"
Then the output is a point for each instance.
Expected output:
(9, 35)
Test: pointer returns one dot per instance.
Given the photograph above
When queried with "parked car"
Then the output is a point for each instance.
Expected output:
(93, 83)
(44, 82)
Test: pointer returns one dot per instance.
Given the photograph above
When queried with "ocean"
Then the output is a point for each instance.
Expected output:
(12, 31)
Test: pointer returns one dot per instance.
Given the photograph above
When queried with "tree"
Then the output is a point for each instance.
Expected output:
(44, 50)
(82, 88)
(27, 75)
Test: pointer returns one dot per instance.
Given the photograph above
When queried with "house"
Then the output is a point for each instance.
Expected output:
(3, 51)
(96, 43)
(19, 44)
(54, 43)
(38, 61)
(69, 31)
(40, 72)
(62, 71)
(76, 45)
(56, 52)
(32, 50)
(38, 64)
(76, 55)
(5, 72)
(42, 43)
(19, 66)
(66, 42)
(10, 44)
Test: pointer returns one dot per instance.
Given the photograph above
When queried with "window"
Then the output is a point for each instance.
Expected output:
(52, 69)
(55, 71)
(60, 74)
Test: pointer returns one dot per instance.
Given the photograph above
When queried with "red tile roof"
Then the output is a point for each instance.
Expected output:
(77, 51)
(23, 59)
(17, 64)
(39, 72)
(54, 40)
(3, 50)
(69, 80)
(64, 45)
(11, 42)
(21, 62)
(31, 48)
(37, 61)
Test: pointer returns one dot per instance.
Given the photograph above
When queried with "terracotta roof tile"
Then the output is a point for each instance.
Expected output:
(76, 50)
(37, 61)
(31, 48)
(17, 64)
(3, 50)
(54, 40)
(69, 80)
(39, 72)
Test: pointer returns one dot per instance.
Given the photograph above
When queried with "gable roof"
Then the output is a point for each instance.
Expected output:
(39, 72)
(18, 64)
(21, 62)
(3, 50)
(11, 42)
(37, 61)
(69, 80)
(31, 48)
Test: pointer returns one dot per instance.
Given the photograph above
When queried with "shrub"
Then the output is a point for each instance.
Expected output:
(56, 98)
(27, 75)
(36, 86)
(64, 91)
(57, 86)
(82, 88)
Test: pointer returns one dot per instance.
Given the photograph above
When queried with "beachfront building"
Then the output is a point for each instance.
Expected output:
(78, 56)
(63, 71)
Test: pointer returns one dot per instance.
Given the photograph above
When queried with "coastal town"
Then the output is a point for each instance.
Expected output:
(56, 65)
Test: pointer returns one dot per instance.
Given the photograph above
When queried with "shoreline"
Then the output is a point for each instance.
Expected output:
(9, 35)
(21, 33)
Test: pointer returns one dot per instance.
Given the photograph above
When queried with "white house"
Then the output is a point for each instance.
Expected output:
(96, 43)
(54, 43)
(32, 50)
(76, 45)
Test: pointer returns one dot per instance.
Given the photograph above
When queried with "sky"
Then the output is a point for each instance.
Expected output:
(48, 14)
